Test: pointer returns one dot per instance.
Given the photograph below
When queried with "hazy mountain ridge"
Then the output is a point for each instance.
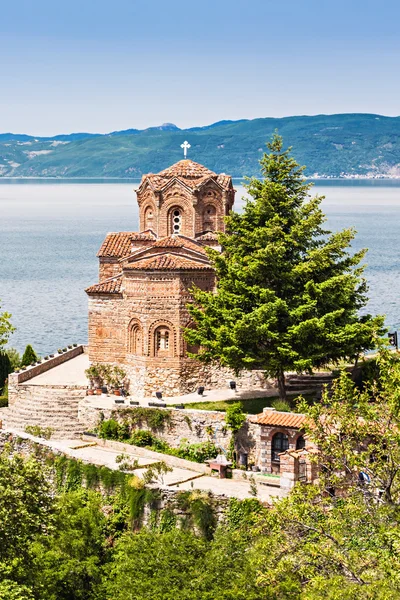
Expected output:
(330, 146)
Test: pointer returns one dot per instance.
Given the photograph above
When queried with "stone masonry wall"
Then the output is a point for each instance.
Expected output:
(167, 498)
(193, 425)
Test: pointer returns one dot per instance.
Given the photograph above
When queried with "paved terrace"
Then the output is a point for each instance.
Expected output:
(177, 479)
(72, 372)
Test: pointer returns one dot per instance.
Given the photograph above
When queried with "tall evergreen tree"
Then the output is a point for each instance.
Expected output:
(288, 292)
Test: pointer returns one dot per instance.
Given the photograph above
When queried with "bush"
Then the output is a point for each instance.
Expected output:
(29, 357)
(281, 405)
(110, 430)
(197, 452)
(142, 438)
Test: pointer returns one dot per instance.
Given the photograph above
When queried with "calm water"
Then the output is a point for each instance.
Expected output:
(50, 233)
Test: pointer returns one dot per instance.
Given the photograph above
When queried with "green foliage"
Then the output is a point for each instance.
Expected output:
(69, 560)
(29, 356)
(142, 438)
(6, 329)
(243, 514)
(42, 432)
(154, 418)
(5, 369)
(25, 506)
(281, 405)
(324, 142)
(14, 356)
(288, 292)
(10, 590)
(200, 511)
(235, 417)
(110, 430)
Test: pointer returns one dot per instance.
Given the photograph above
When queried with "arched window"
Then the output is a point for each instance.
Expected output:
(135, 338)
(149, 218)
(176, 220)
(280, 443)
(300, 443)
(163, 343)
(209, 218)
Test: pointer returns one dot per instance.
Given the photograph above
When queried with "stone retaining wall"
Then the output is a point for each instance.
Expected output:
(30, 372)
(192, 425)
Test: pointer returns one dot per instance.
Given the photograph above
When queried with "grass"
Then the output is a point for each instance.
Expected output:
(251, 406)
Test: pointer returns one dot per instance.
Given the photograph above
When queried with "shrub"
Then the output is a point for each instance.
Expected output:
(29, 357)
(142, 438)
(110, 430)
(281, 405)
(197, 452)
(5, 369)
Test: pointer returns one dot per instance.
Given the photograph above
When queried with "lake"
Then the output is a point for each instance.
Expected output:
(50, 232)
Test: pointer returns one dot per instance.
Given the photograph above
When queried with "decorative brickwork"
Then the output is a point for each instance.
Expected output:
(138, 309)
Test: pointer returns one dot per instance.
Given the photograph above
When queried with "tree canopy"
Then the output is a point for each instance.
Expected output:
(6, 329)
(288, 291)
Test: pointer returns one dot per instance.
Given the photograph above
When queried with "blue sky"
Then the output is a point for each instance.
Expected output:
(108, 65)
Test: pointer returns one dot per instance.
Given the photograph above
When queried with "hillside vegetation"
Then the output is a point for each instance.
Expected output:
(330, 146)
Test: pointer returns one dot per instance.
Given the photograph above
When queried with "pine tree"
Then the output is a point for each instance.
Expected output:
(29, 356)
(288, 292)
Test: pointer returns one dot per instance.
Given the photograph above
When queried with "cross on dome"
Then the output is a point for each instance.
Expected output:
(185, 147)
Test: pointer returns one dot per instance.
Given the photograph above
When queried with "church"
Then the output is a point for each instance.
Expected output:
(138, 310)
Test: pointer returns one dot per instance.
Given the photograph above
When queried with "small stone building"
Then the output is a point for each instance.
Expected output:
(138, 310)
(279, 432)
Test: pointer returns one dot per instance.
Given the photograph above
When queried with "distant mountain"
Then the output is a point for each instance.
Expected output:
(329, 145)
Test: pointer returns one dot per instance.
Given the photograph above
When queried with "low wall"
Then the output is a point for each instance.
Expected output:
(46, 365)
(172, 461)
(195, 426)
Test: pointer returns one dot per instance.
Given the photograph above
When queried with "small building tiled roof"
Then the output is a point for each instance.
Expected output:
(167, 262)
(119, 244)
(275, 418)
(108, 286)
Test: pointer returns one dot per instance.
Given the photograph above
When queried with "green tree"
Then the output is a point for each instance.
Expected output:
(68, 561)
(14, 356)
(29, 356)
(288, 292)
(25, 510)
(5, 368)
(6, 329)
(339, 538)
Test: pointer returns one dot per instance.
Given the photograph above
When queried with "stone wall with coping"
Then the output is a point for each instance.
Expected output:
(44, 366)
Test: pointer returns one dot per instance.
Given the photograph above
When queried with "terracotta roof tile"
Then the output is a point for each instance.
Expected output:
(186, 168)
(280, 419)
(178, 241)
(167, 262)
(209, 236)
(193, 174)
(109, 286)
(119, 244)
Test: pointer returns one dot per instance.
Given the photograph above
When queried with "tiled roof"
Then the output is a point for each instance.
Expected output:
(193, 174)
(280, 419)
(178, 241)
(186, 168)
(167, 262)
(119, 244)
(209, 236)
(109, 286)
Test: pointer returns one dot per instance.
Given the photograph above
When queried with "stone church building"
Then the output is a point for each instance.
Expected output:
(137, 311)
